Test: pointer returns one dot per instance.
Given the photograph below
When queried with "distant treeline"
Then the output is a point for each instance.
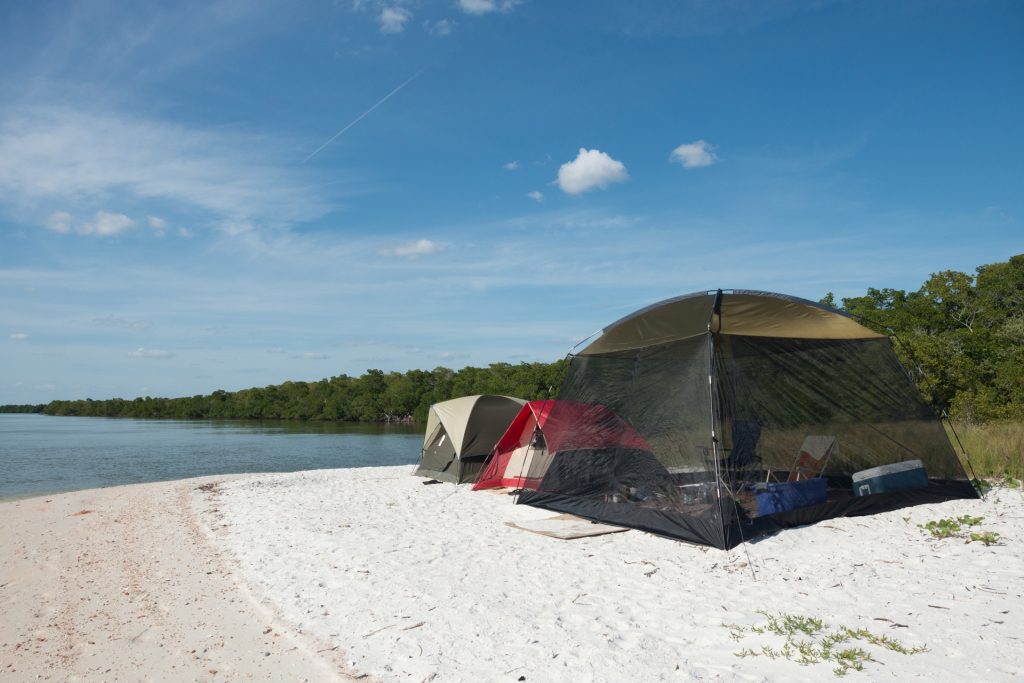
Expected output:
(22, 408)
(375, 396)
(961, 336)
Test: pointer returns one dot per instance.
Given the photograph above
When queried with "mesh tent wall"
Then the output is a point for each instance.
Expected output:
(461, 433)
(534, 434)
(725, 387)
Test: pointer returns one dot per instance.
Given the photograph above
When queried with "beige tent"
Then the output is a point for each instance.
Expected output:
(461, 433)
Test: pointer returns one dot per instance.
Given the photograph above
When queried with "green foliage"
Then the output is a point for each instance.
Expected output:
(22, 408)
(986, 537)
(962, 337)
(950, 527)
(809, 640)
(373, 397)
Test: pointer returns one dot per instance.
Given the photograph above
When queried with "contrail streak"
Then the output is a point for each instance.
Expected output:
(363, 115)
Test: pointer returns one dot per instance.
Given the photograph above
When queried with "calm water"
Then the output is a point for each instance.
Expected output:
(42, 454)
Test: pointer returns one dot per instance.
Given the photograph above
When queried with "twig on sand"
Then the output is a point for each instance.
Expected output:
(416, 625)
(382, 628)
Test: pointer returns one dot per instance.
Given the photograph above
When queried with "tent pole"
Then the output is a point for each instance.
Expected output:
(715, 310)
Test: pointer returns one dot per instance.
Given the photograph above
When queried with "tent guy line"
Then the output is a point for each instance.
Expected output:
(364, 115)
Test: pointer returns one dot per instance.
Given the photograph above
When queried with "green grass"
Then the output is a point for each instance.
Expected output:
(996, 450)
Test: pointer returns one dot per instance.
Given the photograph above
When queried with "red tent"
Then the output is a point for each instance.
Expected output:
(543, 428)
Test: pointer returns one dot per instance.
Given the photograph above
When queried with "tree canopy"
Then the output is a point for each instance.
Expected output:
(372, 397)
(960, 335)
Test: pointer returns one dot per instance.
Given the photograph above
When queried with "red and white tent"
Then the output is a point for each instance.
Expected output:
(543, 428)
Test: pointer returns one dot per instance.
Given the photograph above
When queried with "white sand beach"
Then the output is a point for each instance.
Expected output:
(369, 574)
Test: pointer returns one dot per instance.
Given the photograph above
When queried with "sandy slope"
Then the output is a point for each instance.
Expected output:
(120, 584)
(422, 583)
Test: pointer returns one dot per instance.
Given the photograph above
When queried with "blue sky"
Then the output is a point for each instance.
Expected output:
(179, 213)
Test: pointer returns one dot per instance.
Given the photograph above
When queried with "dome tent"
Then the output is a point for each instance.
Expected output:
(735, 391)
(532, 435)
(461, 432)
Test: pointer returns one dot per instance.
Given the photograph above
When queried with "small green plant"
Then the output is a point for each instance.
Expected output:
(950, 527)
(809, 640)
(1009, 482)
(941, 528)
(986, 537)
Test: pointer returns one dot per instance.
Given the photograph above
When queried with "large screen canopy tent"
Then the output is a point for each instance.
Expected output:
(760, 411)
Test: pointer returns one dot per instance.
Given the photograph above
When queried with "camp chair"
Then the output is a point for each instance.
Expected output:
(814, 453)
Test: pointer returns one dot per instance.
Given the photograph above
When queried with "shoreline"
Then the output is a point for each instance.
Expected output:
(102, 584)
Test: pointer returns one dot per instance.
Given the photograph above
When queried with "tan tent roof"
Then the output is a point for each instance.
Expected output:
(471, 414)
(742, 312)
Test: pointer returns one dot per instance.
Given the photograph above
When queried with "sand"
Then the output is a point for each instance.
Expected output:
(121, 584)
(367, 573)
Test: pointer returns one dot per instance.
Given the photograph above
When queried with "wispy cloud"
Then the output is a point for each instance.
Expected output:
(19, 336)
(59, 221)
(479, 7)
(64, 156)
(412, 249)
(393, 19)
(150, 353)
(511, 166)
(590, 169)
(106, 224)
(694, 154)
(441, 27)
(310, 355)
(536, 196)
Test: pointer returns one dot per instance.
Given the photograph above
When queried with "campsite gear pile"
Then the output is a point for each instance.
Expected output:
(714, 418)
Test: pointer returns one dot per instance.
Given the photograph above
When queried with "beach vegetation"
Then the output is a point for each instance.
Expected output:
(986, 537)
(953, 527)
(809, 640)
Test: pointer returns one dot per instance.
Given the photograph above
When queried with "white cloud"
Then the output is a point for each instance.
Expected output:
(19, 336)
(413, 249)
(309, 355)
(158, 224)
(107, 224)
(276, 349)
(150, 353)
(591, 168)
(441, 27)
(184, 232)
(479, 7)
(694, 154)
(393, 19)
(74, 158)
(59, 221)
(536, 196)
(511, 166)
